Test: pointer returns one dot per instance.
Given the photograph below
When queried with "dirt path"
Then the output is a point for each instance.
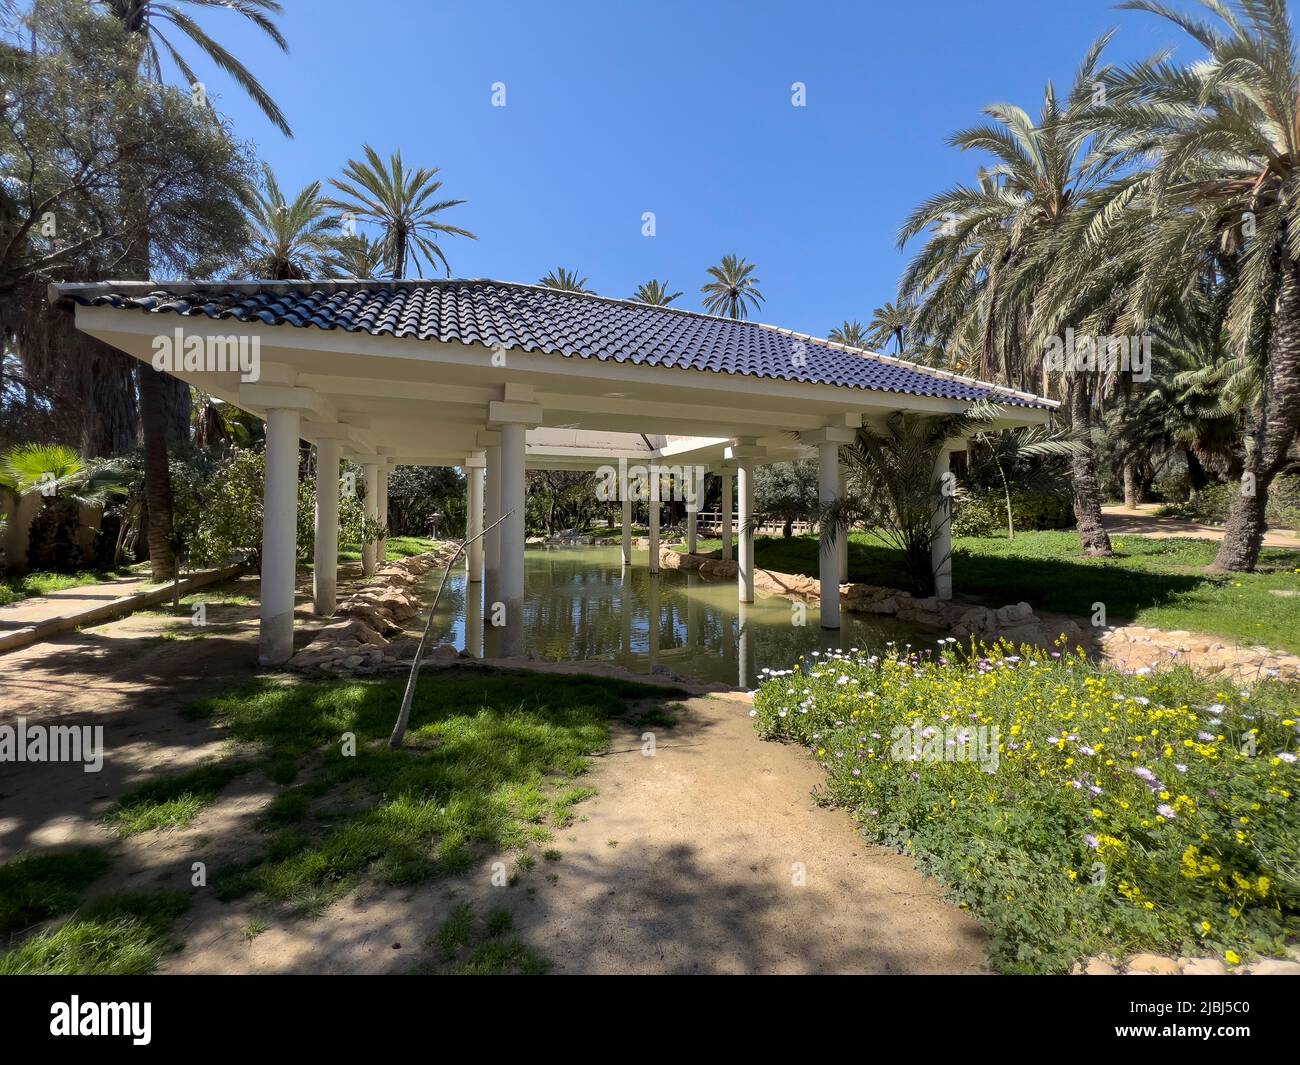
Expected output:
(1142, 520)
(683, 862)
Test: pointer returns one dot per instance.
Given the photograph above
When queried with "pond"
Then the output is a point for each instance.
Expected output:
(580, 603)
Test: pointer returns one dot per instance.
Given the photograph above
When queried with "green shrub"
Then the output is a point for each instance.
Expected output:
(985, 514)
(1211, 504)
(1118, 812)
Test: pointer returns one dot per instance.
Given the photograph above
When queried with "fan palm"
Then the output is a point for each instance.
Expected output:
(290, 240)
(733, 290)
(994, 245)
(890, 322)
(147, 17)
(850, 334)
(56, 471)
(654, 293)
(1215, 149)
(563, 280)
(401, 203)
(358, 257)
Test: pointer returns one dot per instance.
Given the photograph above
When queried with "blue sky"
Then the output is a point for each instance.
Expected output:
(679, 108)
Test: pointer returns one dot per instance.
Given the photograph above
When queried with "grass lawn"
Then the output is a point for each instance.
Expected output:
(1153, 582)
(27, 585)
(493, 765)
(399, 547)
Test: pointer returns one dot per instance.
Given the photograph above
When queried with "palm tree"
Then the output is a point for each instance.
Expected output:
(655, 293)
(1217, 151)
(890, 322)
(147, 17)
(563, 280)
(358, 257)
(733, 290)
(164, 402)
(993, 245)
(291, 241)
(850, 334)
(398, 201)
(56, 471)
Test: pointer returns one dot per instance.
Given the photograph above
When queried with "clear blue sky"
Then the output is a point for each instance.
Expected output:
(680, 108)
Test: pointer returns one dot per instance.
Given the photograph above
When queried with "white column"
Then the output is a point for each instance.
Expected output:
(692, 534)
(627, 528)
(474, 515)
(941, 524)
(513, 487)
(492, 540)
(279, 535)
(654, 506)
(381, 501)
(828, 490)
(728, 494)
(842, 542)
(325, 556)
(745, 533)
(371, 478)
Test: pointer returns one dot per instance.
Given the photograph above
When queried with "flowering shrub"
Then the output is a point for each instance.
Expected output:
(1072, 809)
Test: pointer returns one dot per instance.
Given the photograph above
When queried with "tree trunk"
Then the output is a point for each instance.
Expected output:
(1130, 484)
(157, 476)
(1083, 469)
(1196, 475)
(1270, 438)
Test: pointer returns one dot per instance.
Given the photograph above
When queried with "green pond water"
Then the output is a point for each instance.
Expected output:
(580, 603)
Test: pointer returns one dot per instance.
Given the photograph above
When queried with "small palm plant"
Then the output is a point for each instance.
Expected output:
(734, 291)
(563, 280)
(291, 240)
(402, 204)
(654, 293)
(57, 472)
(358, 257)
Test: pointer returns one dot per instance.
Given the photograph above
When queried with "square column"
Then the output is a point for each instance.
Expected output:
(627, 529)
(654, 507)
(728, 495)
(370, 472)
(279, 536)
(513, 489)
(325, 554)
(941, 525)
(474, 477)
(745, 554)
(492, 513)
(691, 532)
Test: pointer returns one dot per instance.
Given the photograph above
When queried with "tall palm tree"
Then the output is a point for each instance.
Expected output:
(654, 293)
(1216, 147)
(992, 246)
(291, 240)
(165, 402)
(563, 280)
(147, 17)
(401, 203)
(734, 288)
(892, 322)
(851, 334)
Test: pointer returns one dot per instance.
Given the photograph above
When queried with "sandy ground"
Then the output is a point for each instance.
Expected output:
(1142, 520)
(684, 862)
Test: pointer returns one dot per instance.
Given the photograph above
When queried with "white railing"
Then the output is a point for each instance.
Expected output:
(709, 523)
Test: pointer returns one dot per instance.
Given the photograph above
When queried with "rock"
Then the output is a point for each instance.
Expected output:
(1273, 967)
(1152, 963)
(352, 661)
(1099, 967)
(1014, 615)
(1202, 967)
(719, 567)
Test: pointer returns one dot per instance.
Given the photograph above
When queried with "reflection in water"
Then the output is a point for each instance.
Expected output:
(582, 603)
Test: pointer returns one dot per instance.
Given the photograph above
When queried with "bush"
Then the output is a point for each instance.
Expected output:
(985, 514)
(1119, 811)
(1211, 504)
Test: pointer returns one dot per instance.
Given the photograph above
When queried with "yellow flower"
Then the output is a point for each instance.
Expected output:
(1232, 957)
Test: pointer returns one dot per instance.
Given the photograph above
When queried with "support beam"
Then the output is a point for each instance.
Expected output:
(381, 499)
(492, 539)
(325, 554)
(654, 507)
(828, 490)
(279, 536)
(474, 467)
(627, 529)
(692, 532)
(370, 472)
(513, 489)
(728, 496)
(941, 524)
(745, 554)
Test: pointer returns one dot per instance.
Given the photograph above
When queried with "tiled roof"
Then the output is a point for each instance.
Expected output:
(531, 318)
